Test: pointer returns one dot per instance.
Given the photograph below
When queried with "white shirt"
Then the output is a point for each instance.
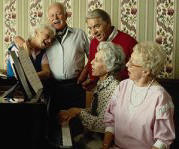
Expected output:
(67, 59)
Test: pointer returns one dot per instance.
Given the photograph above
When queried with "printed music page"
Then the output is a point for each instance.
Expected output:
(29, 70)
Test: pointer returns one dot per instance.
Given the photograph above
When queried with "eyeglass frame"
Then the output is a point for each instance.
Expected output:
(132, 64)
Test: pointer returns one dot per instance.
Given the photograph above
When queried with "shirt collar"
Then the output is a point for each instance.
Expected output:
(113, 34)
(104, 83)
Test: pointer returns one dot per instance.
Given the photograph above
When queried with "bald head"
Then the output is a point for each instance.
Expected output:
(57, 15)
(59, 5)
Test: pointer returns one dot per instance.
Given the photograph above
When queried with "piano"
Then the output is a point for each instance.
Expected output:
(25, 124)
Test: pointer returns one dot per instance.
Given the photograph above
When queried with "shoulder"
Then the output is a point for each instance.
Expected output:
(77, 31)
(125, 35)
(125, 82)
(161, 94)
(114, 83)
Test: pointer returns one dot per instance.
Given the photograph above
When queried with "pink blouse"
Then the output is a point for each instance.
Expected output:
(150, 121)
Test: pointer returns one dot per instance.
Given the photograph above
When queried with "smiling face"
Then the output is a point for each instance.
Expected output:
(99, 28)
(44, 38)
(98, 65)
(57, 16)
(135, 70)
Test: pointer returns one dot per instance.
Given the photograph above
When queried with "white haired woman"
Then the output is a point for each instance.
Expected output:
(35, 45)
(140, 112)
(108, 61)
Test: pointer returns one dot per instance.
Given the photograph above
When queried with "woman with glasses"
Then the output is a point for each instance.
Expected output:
(140, 112)
(108, 61)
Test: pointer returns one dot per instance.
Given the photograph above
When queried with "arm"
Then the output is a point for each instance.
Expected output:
(67, 115)
(83, 75)
(163, 129)
(108, 138)
(21, 43)
(45, 72)
(45, 68)
(155, 148)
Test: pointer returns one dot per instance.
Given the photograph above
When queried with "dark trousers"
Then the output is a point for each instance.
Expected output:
(63, 95)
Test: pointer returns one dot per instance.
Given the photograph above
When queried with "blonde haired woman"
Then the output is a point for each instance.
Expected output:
(40, 39)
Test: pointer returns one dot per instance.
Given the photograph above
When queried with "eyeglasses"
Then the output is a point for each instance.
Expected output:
(132, 64)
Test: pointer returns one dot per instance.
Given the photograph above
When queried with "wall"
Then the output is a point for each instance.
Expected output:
(143, 19)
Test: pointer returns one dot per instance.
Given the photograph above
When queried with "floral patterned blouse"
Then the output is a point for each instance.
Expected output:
(104, 90)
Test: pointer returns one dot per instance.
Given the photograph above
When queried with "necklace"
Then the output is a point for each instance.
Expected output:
(139, 96)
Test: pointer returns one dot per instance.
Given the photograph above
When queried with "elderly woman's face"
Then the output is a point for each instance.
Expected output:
(99, 28)
(135, 70)
(44, 38)
(98, 65)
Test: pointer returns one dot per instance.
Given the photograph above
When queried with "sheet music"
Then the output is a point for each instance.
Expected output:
(29, 70)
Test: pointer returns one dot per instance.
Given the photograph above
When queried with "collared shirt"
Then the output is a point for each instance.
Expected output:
(113, 34)
(67, 59)
(104, 89)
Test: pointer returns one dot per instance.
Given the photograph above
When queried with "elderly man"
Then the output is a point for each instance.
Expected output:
(66, 59)
(99, 23)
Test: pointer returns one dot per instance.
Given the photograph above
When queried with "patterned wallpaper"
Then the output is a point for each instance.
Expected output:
(129, 16)
(9, 22)
(35, 11)
(163, 20)
(165, 12)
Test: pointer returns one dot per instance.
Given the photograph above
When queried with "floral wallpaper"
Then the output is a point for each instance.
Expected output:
(10, 23)
(35, 13)
(129, 16)
(165, 33)
(93, 4)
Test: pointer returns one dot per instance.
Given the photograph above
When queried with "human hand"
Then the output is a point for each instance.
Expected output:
(63, 116)
(89, 84)
(83, 75)
(154, 147)
(73, 112)
(105, 146)
(19, 41)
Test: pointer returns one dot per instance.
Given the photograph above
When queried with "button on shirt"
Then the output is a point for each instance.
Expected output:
(67, 59)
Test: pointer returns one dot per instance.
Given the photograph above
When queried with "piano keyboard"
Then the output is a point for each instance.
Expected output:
(66, 137)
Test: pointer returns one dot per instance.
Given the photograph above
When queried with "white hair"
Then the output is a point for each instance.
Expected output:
(42, 27)
(60, 5)
(113, 55)
(152, 56)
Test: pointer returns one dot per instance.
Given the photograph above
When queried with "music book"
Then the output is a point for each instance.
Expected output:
(25, 74)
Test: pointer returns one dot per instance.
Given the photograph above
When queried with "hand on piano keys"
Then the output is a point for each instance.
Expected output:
(67, 115)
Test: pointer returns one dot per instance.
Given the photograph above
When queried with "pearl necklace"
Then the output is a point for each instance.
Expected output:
(137, 96)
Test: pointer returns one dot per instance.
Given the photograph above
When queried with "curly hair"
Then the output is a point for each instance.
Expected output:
(151, 56)
(41, 28)
(113, 55)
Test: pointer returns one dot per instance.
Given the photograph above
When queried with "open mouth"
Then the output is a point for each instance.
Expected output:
(98, 36)
(57, 22)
